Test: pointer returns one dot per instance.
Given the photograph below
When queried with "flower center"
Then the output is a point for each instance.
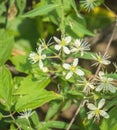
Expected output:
(63, 42)
(73, 68)
(97, 111)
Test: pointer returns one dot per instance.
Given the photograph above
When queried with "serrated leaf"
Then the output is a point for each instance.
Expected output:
(35, 99)
(29, 84)
(6, 45)
(41, 10)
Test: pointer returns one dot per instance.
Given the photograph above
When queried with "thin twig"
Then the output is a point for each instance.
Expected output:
(76, 113)
(108, 46)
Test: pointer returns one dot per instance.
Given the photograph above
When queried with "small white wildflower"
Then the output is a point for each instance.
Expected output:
(73, 69)
(80, 46)
(102, 60)
(37, 57)
(105, 83)
(62, 44)
(88, 86)
(43, 43)
(26, 114)
(88, 4)
(96, 111)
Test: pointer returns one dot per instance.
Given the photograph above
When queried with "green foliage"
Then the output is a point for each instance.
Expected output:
(42, 54)
(5, 87)
(6, 46)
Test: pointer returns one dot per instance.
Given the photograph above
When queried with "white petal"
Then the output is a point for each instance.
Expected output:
(104, 114)
(111, 88)
(41, 64)
(101, 103)
(77, 42)
(99, 88)
(75, 62)
(57, 40)
(91, 114)
(91, 106)
(57, 47)
(74, 49)
(32, 54)
(66, 50)
(69, 75)
(43, 56)
(110, 79)
(66, 66)
(106, 62)
(79, 72)
(101, 73)
(68, 39)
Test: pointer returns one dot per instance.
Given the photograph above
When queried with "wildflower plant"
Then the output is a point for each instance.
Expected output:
(53, 72)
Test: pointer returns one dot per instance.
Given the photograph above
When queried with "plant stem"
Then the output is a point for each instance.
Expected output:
(76, 113)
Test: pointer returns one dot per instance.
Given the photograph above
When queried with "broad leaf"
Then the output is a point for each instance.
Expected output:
(30, 84)
(35, 99)
(5, 86)
(75, 26)
(6, 45)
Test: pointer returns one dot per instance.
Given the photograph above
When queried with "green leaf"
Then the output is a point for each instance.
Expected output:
(35, 99)
(5, 86)
(112, 75)
(87, 55)
(21, 5)
(56, 124)
(111, 123)
(54, 106)
(31, 93)
(6, 45)
(30, 84)
(21, 63)
(41, 10)
(35, 119)
(1, 116)
(77, 27)
(73, 4)
(76, 94)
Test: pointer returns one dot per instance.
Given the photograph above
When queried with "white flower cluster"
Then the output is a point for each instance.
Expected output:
(66, 46)
(62, 50)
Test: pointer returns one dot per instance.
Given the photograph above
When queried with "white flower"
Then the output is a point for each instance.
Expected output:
(25, 114)
(62, 44)
(96, 112)
(37, 57)
(80, 46)
(105, 83)
(88, 86)
(43, 43)
(102, 60)
(73, 69)
(88, 4)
